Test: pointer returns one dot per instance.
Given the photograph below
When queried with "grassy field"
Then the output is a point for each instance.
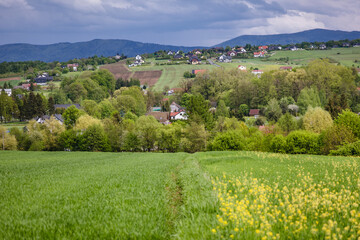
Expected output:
(213, 195)
(19, 125)
(345, 56)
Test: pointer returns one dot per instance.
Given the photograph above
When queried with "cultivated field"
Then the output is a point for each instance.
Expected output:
(13, 80)
(213, 195)
(120, 70)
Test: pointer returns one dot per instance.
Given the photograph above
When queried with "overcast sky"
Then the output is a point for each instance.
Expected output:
(175, 22)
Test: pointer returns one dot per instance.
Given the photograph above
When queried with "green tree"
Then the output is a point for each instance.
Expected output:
(350, 120)
(104, 78)
(195, 138)
(70, 116)
(147, 128)
(198, 109)
(287, 123)
(317, 120)
(222, 110)
(273, 111)
(94, 139)
(308, 97)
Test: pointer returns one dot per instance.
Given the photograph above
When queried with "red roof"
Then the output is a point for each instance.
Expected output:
(286, 68)
(254, 112)
(173, 114)
(196, 71)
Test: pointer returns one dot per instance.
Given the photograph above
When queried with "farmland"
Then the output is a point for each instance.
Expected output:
(213, 195)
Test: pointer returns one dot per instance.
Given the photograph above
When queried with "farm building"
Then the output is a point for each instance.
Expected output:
(242, 68)
(196, 71)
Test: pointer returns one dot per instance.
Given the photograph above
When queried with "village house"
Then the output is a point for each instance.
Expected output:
(162, 117)
(289, 68)
(242, 68)
(178, 56)
(257, 72)
(263, 47)
(196, 71)
(174, 107)
(322, 47)
(27, 86)
(7, 91)
(194, 60)
(254, 113)
(241, 50)
(42, 119)
(293, 48)
(231, 53)
(73, 66)
(225, 59)
(259, 54)
(43, 79)
(179, 115)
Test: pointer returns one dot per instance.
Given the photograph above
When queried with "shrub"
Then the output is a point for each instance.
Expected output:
(302, 142)
(351, 149)
(230, 140)
(278, 144)
(317, 120)
(349, 120)
(334, 137)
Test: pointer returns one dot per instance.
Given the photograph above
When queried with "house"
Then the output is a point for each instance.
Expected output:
(170, 53)
(42, 119)
(254, 113)
(74, 66)
(43, 79)
(241, 50)
(26, 86)
(289, 68)
(194, 60)
(257, 72)
(259, 54)
(322, 47)
(7, 91)
(293, 48)
(196, 71)
(178, 56)
(162, 117)
(174, 107)
(231, 53)
(275, 47)
(197, 52)
(178, 115)
(65, 106)
(225, 59)
(346, 44)
(263, 47)
(242, 68)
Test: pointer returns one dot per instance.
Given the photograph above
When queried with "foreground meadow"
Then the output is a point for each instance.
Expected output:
(212, 195)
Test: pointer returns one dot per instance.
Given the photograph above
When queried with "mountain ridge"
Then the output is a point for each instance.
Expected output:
(65, 51)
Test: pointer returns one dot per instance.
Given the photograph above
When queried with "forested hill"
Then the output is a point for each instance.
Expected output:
(66, 51)
(315, 35)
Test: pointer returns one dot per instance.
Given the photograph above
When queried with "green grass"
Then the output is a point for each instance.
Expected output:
(345, 56)
(19, 125)
(177, 196)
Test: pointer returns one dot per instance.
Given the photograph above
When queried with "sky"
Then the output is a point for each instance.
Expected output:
(172, 22)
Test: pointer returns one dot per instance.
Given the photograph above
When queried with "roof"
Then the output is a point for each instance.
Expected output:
(286, 68)
(254, 112)
(160, 116)
(66, 105)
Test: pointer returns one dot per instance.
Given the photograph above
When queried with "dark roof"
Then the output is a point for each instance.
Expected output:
(254, 112)
(66, 105)
(160, 116)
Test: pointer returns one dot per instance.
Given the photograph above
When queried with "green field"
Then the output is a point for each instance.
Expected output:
(212, 195)
(345, 56)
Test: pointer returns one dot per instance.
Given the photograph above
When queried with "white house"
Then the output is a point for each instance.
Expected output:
(7, 91)
(257, 72)
(178, 115)
(175, 107)
(242, 68)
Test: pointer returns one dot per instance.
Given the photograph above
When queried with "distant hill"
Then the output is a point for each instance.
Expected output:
(66, 51)
(315, 35)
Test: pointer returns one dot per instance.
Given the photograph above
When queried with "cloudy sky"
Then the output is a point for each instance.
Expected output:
(175, 22)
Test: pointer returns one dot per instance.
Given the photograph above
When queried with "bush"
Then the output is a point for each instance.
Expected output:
(230, 140)
(278, 144)
(351, 149)
(302, 142)
(349, 120)
(334, 137)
